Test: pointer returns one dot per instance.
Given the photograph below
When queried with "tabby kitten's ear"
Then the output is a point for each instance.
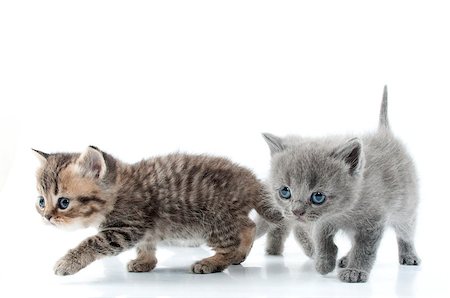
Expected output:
(91, 163)
(351, 153)
(41, 155)
(275, 143)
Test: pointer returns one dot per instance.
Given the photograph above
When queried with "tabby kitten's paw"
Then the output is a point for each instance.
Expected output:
(409, 260)
(205, 266)
(343, 262)
(353, 275)
(68, 265)
(141, 265)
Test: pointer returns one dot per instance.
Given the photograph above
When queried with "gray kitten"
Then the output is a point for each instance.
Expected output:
(178, 196)
(358, 185)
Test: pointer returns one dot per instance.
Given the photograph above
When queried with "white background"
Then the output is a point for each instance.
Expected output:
(141, 78)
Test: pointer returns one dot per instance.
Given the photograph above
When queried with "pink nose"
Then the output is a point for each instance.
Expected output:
(299, 212)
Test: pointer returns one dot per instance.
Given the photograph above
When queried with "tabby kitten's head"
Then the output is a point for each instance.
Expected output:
(315, 179)
(74, 189)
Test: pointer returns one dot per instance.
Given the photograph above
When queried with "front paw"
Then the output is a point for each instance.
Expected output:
(274, 250)
(353, 275)
(325, 265)
(206, 266)
(68, 265)
(139, 265)
(410, 259)
(309, 251)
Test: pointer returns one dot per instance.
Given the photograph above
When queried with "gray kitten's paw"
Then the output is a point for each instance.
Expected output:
(409, 260)
(325, 265)
(309, 251)
(68, 265)
(343, 262)
(205, 266)
(138, 265)
(274, 251)
(353, 275)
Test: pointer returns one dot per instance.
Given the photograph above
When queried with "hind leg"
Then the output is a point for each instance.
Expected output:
(276, 237)
(232, 241)
(303, 238)
(145, 260)
(343, 262)
(406, 251)
(262, 226)
(246, 237)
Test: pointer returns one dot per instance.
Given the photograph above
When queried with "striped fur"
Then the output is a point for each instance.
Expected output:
(179, 196)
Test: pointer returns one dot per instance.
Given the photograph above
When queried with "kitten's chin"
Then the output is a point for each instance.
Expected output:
(73, 226)
(77, 225)
(296, 218)
(303, 219)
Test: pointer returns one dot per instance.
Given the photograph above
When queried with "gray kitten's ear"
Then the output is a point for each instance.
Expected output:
(275, 143)
(91, 163)
(41, 155)
(351, 153)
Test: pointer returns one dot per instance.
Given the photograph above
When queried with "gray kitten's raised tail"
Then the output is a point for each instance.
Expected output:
(359, 186)
(384, 122)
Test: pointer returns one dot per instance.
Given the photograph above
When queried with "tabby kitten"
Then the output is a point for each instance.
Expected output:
(359, 185)
(179, 196)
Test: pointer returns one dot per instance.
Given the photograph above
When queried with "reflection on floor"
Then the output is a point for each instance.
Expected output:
(291, 275)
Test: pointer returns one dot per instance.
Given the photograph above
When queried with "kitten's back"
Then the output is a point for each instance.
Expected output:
(389, 172)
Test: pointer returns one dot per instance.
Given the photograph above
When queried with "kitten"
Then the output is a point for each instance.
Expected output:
(359, 185)
(174, 197)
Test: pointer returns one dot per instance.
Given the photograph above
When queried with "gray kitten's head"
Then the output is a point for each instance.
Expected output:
(314, 179)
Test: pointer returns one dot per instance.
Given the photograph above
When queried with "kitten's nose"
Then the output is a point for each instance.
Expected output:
(299, 212)
(48, 216)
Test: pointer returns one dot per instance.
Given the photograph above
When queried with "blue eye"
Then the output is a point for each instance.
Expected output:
(318, 198)
(63, 203)
(285, 192)
(41, 202)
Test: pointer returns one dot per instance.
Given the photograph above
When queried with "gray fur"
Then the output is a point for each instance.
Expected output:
(370, 183)
(383, 122)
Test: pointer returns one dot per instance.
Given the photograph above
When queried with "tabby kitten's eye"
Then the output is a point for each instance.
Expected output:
(41, 202)
(63, 203)
(318, 198)
(285, 192)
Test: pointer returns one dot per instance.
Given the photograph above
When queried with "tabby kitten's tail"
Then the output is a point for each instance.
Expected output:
(268, 212)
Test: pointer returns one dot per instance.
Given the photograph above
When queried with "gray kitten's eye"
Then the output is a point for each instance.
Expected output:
(63, 203)
(284, 192)
(41, 202)
(318, 198)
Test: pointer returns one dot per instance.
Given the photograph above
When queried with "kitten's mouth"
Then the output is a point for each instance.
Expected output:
(299, 215)
(300, 218)
(304, 218)
(47, 222)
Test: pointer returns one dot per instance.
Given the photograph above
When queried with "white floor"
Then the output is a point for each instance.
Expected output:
(28, 271)
(29, 249)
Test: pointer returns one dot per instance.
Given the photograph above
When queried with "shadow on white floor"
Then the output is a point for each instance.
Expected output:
(291, 275)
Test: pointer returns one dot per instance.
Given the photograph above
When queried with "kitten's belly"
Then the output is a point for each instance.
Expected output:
(182, 242)
(180, 235)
